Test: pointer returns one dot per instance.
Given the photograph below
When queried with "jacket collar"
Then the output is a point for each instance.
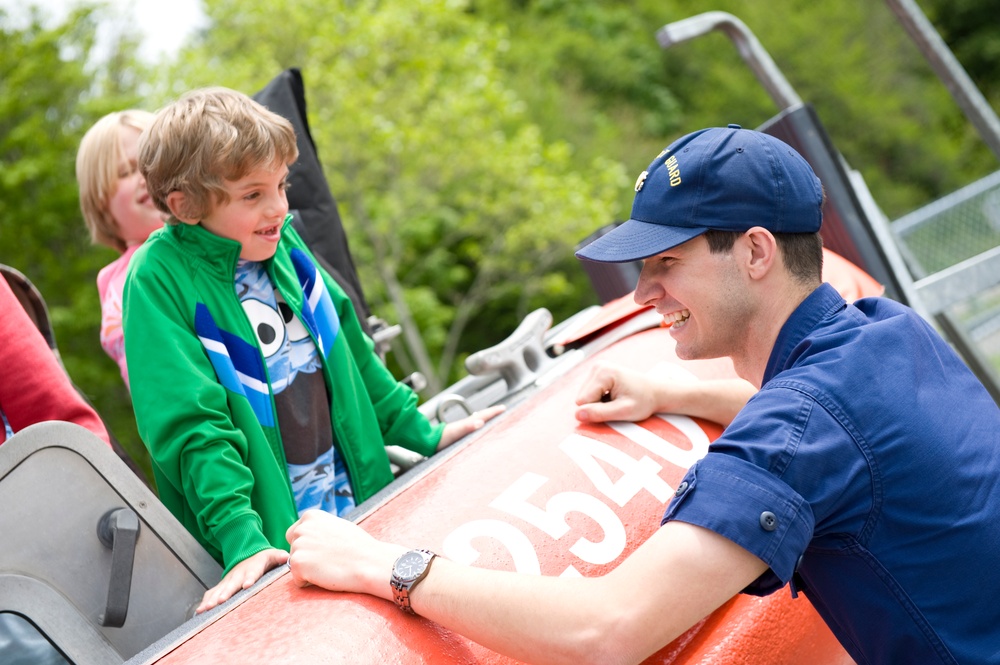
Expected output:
(217, 254)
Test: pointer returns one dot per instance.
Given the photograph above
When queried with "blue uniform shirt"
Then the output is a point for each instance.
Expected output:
(866, 471)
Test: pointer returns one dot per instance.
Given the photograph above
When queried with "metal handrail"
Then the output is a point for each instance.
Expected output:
(949, 70)
(749, 47)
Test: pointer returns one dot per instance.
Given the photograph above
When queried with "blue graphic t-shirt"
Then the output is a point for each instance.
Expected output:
(318, 475)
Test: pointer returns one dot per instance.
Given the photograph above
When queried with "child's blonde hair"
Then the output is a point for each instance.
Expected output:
(206, 137)
(98, 162)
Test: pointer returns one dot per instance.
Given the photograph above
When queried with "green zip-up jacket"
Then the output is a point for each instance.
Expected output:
(203, 403)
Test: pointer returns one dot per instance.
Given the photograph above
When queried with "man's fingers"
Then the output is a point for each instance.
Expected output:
(292, 533)
(300, 582)
(593, 390)
(618, 408)
(298, 527)
(599, 412)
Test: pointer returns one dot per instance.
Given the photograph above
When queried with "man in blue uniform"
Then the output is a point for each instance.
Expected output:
(864, 473)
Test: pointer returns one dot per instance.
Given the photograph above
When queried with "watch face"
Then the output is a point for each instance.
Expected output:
(409, 566)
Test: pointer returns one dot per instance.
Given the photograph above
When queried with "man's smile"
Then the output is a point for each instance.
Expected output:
(677, 319)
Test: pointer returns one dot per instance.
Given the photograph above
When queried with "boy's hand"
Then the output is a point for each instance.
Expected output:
(456, 430)
(242, 576)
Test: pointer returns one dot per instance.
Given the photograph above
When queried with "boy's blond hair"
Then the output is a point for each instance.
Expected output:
(206, 137)
(97, 172)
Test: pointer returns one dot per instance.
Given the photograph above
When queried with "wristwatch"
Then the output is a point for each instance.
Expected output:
(407, 572)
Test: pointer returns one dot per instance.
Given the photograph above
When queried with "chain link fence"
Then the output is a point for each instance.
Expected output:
(949, 231)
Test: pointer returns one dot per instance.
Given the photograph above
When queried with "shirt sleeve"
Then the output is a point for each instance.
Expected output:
(35, 388)
(395, 404)
(787, 454)
(750, 507)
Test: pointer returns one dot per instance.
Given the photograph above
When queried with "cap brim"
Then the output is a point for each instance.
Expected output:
(634, 240)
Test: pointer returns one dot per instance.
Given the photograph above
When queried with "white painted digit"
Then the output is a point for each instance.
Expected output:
(514, 501)
(689, 428)
(658, 446)
(604, 551)
(636, 474)
(552, 520)
(458, 545)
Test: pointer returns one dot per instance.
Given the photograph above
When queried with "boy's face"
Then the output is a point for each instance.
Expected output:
(254, 213)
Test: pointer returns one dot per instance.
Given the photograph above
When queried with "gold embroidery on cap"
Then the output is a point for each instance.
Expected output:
(641, 180)
(673, 170)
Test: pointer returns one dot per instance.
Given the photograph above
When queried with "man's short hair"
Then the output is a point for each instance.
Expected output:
(98, 161)
(207, 137)
(802, 253)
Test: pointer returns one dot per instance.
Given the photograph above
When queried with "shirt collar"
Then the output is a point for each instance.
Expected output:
(818, 305)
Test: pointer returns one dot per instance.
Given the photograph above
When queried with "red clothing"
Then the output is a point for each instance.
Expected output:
(33, 385)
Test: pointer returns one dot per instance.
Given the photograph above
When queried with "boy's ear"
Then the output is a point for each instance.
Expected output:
(176, 201)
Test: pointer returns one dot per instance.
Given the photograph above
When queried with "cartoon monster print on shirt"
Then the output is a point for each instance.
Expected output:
(317, 473)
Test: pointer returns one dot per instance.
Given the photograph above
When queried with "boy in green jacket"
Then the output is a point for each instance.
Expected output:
(254, 387)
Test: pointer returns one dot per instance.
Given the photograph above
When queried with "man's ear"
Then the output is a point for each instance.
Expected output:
(177, 203)
(763, 251)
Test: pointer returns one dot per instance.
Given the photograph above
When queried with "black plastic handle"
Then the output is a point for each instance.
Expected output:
(118, 530)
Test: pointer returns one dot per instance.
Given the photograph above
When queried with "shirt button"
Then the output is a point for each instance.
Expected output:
(681, 488)
(768, 521)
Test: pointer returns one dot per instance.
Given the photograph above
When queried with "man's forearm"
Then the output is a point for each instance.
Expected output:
(532, 618)
(718, 400)
(649, 600)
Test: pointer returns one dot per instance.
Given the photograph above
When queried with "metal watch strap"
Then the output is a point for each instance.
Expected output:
(401, 588)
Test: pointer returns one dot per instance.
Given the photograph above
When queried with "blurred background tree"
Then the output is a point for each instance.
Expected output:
(971, 28)
(472, 143)
(50, 94)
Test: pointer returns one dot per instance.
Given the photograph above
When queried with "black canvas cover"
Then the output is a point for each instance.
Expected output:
(313, 208)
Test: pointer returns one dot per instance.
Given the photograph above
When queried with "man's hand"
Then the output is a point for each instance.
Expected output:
(337, 554)
(242, 576)
(456, 430)
(616, 393)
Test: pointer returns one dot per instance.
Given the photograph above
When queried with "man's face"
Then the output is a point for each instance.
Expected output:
(703, 296)
(254, 213)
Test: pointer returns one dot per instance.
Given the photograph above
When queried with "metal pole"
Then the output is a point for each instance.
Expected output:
(949, 70)
(750, 49)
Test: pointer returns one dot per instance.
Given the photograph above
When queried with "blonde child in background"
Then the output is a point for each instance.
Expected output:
(117, 210)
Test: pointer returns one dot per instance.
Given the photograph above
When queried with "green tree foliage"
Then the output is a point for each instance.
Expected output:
(880, 102)
(462, 217)
(592, 75)
(48, 99)
(971, 29)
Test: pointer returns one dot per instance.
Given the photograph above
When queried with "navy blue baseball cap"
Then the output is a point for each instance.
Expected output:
(723, 178)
